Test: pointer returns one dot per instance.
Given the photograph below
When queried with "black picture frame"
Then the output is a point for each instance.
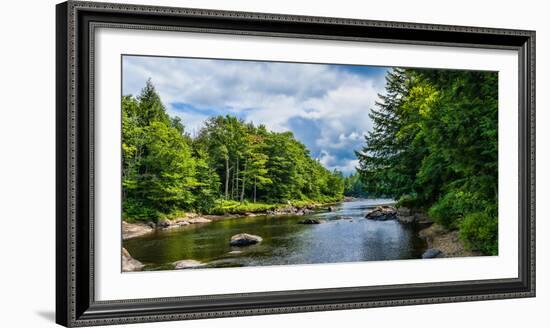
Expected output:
(75, 302)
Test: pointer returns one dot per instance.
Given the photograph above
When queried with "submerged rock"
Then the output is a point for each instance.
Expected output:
(382, 213)
(245, 239)
(129, 263)
(228, 263)
(432, 253)
(311, 221)
(187, 264)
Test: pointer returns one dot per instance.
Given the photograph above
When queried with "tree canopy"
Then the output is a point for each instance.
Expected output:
(164, 169)
(434, 146)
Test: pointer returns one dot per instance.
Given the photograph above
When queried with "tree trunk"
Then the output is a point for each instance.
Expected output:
(254, 189)
(235, 192)
(243, 182)
(226, 177)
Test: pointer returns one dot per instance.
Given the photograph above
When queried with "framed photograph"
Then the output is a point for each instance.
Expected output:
(215, 163)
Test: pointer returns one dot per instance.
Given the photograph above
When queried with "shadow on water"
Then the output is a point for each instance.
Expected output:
(345, 237)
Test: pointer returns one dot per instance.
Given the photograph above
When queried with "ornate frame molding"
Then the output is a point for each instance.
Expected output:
(76, 25)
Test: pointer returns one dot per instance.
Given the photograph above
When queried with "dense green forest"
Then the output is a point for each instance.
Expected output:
(434, 147)
(354, 186)
(231, 165)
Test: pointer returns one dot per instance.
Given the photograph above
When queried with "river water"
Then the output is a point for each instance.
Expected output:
(284, 240)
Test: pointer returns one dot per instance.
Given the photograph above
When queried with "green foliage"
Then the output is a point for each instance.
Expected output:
(409, 201)
(453, 206)
(434, 145)
(479, 231)
(230, 162)
(354, 186)
(134, 210)
(206, 190)
(236, 207)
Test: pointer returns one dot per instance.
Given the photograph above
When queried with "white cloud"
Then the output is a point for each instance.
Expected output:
(332, 99)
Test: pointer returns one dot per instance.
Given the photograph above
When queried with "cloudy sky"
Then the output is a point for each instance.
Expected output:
(325, 106)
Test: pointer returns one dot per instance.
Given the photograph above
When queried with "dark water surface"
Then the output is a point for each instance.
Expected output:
(284, 240)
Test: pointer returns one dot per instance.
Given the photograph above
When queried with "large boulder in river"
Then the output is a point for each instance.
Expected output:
(187, 264)
(245, 239)
(311, 221)
(129, 263)
(382, 213)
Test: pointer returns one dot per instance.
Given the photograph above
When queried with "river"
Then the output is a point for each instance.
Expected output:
(284, 240)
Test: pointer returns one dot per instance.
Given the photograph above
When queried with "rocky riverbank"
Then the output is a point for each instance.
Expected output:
(440, 242)
(129, 263)
(444, 243)
(133, 230)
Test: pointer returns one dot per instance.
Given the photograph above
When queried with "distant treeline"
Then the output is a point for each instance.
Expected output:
(434, 146)
(164, 169)
(354, 186)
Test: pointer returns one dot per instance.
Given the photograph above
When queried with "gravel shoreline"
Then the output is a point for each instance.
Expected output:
(446, 241)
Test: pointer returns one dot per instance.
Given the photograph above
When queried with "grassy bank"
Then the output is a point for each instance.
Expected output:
(234, 207)
(230, 207)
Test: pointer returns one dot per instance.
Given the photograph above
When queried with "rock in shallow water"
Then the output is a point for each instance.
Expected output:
(187, 264)
(382, 213)
(244, 239)
(432, 253)
(129, 263)
(311, 221)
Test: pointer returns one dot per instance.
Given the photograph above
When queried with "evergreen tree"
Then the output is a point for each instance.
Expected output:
(434, 146)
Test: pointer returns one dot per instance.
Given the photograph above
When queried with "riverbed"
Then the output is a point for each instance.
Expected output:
(345, 236)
